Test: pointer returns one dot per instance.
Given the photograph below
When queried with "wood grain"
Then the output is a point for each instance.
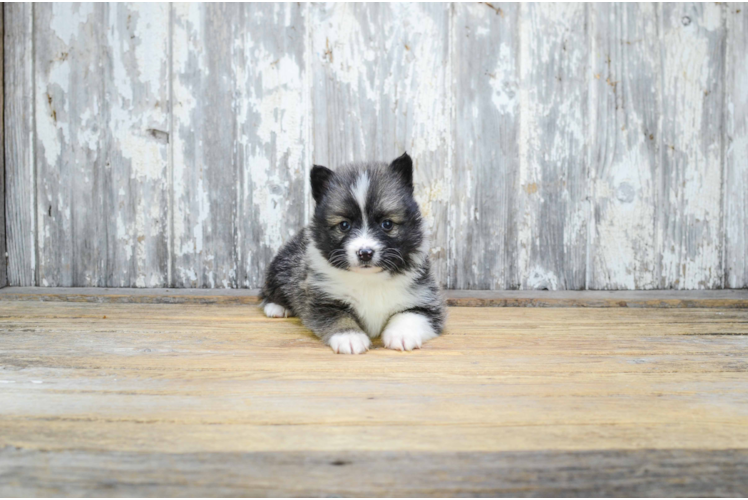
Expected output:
(486, 157)
(690, 211)
(205, 178)
(625, 153)
(70, 119)
(137, 139)
(615, 473)
(102, 138)
(239, 164)
(552, 206)
(381, 86)
(736, 139)
(3, 257)
(737, 299)
(89, 389)
(559, 147)
(273, 123)
(20, 178)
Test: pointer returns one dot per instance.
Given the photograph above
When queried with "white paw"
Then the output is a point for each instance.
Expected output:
(275, 311)
(407, 331)
(350, 343)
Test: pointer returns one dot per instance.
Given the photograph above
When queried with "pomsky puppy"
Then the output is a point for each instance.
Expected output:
(361, 268)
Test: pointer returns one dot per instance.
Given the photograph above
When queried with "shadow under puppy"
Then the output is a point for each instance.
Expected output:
(361, 268)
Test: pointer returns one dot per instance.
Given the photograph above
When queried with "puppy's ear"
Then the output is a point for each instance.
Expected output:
(320, 178)
(403, 166)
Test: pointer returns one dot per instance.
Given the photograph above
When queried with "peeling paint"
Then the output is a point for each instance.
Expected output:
(589, 156)
(691, 246)
(552, 222)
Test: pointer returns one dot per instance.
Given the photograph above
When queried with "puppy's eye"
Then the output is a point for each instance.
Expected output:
(344, 226)
(387, 225)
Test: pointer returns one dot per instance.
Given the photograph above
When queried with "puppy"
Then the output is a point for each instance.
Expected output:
(361, 268)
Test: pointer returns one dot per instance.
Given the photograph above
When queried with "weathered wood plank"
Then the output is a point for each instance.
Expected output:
(206, 176)
(102, 122)
(240, 130)
(70, 119)
(486, 155)
(273, 120)
(137, 142)
(736, 141)
(20, 202)
(381, 86)
(734, 299)
(624, 140)
(614, 473)
(3, 258)
(552, 206)
(690, 211)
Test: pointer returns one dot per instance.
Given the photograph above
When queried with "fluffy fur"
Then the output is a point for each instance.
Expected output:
(361, 268)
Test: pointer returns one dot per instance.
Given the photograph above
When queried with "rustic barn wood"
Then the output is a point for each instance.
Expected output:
(134, 399)
(485, 168)
(20, 179)
(552, 204)
(690, 211)
(600, 473)
(561, 147)
(624, 159)
(3, 259)
(240, 163)
(737, 299)
(736, 148)
(102, 121)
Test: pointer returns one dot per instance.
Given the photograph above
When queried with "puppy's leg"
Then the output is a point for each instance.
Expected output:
(337, 327)
(408, 330)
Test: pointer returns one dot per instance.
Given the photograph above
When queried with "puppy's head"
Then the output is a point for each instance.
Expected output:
(366, 219)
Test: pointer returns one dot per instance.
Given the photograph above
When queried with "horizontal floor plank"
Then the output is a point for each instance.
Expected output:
(621, 473)
(737, 298)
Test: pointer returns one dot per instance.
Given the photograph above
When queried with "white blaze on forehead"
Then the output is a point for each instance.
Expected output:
(363, 239)
(359, 191)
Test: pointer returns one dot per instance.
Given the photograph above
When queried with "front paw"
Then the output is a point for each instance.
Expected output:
(350, 342)
(407, 331)
(275, 311)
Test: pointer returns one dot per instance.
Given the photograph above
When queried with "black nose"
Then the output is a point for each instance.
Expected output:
(365, 254)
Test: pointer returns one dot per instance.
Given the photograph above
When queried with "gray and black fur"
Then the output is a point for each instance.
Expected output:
(361, 267)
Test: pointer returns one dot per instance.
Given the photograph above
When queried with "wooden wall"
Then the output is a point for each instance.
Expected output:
(3, 260)
(559, 146)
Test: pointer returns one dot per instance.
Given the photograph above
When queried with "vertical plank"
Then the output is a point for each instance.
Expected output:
(382, 85)
(486, 159)
(272, 122)
(206, 213)
(625, 137)
(3, 259)
(552, 204)
(101, 121)
(70, 159)
(736, 166)
(137, 142)
(690, 212)
(19, 144)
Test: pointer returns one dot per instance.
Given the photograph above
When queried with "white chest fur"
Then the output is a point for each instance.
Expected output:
(374, 297)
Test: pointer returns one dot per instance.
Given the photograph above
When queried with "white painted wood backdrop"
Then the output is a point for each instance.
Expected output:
(560, 146)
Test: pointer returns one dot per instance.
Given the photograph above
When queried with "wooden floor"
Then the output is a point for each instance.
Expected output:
(114, 399)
